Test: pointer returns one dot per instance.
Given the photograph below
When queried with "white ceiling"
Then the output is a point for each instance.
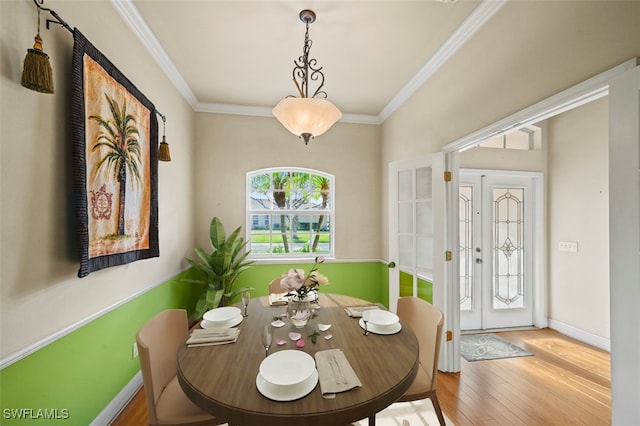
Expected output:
(237, 56)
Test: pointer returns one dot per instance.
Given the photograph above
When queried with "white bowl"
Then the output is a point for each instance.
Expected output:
(222, 315)
(381, 317)
(287, 368)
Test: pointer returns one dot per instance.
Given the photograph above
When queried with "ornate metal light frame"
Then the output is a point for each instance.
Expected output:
(307, 117)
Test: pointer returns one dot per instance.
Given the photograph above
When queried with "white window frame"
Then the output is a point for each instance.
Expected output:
(253, 210)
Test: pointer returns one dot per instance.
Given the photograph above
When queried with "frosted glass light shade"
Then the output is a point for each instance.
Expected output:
(306, 116)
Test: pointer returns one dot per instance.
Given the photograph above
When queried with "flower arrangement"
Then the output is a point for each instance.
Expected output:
(295, 282)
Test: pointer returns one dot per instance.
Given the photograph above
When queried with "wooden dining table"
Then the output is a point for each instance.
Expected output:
(221, 379)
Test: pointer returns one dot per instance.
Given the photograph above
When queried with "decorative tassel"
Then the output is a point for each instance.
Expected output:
(163, 151)
(36, 73)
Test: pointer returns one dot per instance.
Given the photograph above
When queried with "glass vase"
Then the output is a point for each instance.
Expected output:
(299, 311)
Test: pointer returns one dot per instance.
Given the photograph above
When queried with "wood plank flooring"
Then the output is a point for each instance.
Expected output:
(566, 382)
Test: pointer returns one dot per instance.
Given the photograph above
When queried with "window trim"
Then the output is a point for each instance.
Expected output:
(297, 256)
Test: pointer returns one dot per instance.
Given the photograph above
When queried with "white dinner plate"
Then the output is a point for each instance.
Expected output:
(381, 317)
(287, 393)
(231, 323)
(381, 329)
(288, 367)
(222, 315)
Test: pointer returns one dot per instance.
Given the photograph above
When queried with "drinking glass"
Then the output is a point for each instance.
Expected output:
(246, 296)
(266, 339)
(365, 319)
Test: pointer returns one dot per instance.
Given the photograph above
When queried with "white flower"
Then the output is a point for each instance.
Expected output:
(317, 277)
(292, 280)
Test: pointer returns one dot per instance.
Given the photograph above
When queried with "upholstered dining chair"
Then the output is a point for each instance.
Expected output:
(275, 287)
(158, 342)
(426, 321)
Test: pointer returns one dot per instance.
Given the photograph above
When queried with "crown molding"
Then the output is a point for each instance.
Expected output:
(481, 14)
(262, 111)
(131, 16)
(214, 108)
(473, 23)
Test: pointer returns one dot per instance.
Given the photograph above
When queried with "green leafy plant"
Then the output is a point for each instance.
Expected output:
(220, 268)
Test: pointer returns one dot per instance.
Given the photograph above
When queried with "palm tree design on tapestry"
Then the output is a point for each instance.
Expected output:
(120, 136)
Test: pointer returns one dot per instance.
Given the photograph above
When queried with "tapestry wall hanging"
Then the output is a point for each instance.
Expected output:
(115, 163)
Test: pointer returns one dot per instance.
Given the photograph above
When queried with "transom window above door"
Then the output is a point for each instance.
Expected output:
(290, 213)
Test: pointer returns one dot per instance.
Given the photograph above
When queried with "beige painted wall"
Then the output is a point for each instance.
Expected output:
(527, 52)
(230, 146)
(579, 211)
(41, 294)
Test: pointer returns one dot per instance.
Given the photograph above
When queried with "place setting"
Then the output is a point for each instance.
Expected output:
(218, 327)
(223, 317)
(287, 375)
(379, 321)
(290, 374)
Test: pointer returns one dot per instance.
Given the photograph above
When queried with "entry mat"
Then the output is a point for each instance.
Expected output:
(478, 347)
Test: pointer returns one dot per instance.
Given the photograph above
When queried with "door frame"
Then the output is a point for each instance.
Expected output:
(594, 88)
(624, 245)
(538, 265)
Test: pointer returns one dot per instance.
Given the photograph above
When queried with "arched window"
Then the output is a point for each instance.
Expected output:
(290, 213)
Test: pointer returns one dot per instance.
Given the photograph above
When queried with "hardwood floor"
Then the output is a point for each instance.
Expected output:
(565, 382)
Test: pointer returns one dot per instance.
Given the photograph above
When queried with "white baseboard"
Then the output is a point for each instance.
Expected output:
(121, 400)
(583, 336)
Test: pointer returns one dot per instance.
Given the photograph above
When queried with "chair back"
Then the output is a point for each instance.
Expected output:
(275, 287)
(426, 321)
(158, 342)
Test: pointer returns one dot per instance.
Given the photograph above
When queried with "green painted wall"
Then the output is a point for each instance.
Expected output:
(82, 372)
(366, 280)
(425, 288)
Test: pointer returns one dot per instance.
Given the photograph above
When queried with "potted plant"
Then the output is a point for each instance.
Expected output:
(220, 268)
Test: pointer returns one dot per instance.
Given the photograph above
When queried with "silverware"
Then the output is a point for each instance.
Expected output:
(366, 332)
(334, 364)
(344, 379)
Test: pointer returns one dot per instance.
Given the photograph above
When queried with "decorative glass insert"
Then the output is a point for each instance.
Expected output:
(290, 213)
(508, 248)
(466, 247)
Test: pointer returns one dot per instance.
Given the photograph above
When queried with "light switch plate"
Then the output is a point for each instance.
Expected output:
(571, 246)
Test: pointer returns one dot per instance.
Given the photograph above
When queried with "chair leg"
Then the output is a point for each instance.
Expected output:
(436, 407)
(372, 420)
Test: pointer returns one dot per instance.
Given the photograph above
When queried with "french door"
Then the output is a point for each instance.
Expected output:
(416, 229)
(498, 212)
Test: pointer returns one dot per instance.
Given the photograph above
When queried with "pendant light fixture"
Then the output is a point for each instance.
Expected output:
(307, 117)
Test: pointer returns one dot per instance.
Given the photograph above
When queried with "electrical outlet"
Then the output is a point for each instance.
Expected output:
(571, 246)
(135, 350)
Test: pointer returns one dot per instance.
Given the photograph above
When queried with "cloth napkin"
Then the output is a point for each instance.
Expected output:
(335, 373)
(356, 311)
(277, 299)
(208, 337)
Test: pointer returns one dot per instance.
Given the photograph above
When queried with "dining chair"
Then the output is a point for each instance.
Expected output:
(426, 321)
(275, 287)
(158, 342)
